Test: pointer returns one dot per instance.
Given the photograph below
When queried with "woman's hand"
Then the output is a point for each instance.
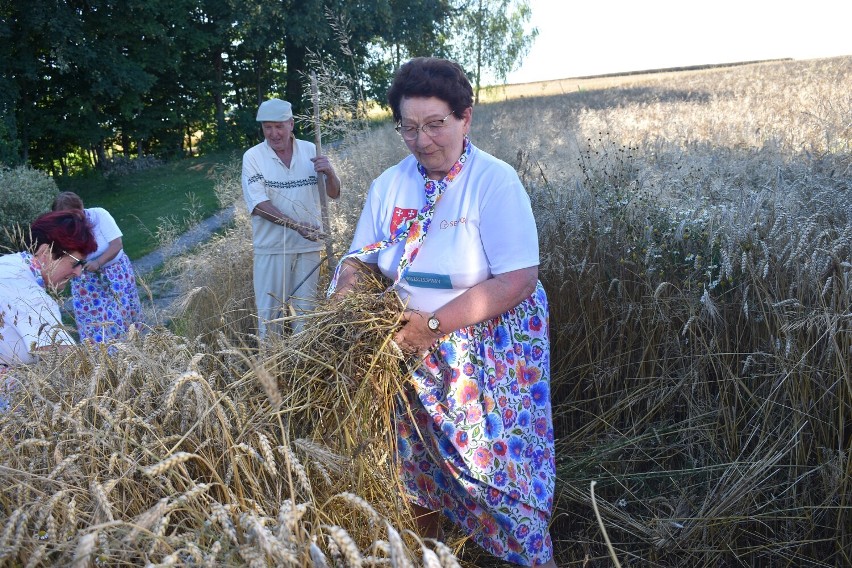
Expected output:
(351, 274)
(115, 247)
(415, 336)
(486, 300)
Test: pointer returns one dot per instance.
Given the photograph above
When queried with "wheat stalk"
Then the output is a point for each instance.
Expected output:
(84, 551)
(168, 463)
(345, 544)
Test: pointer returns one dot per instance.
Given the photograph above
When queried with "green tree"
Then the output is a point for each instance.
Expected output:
(490, 35)
(9, 144)
(82, 79)
(80, 67)
(415, 28)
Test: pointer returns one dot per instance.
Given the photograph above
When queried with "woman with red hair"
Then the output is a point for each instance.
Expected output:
(29, 317)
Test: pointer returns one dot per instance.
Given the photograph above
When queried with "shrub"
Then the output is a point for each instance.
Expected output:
(25, 193)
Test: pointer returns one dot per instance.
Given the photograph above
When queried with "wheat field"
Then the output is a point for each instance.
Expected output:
(696, 247)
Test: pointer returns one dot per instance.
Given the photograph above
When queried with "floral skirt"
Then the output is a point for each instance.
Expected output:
(475, 440)
(106, 302)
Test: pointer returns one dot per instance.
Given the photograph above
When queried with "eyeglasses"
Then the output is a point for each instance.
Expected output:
(77, 261)
(430, 129)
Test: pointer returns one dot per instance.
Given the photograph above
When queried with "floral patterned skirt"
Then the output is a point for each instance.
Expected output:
(106, 302)
(475, 440)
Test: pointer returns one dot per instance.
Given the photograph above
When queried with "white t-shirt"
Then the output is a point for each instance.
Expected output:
(482, 225)
(31, 318)
(292, 190)
(105, 230)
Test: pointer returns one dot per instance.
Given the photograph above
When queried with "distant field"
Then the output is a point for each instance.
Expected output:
(568, 85)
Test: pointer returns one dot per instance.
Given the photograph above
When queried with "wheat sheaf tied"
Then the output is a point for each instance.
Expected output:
(170, 450)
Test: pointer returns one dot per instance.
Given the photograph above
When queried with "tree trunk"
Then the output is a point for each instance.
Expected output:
(259, 72)
(23, 132)
(220, 105)
(479, 34)
(25, 147)
(295, 56)
(100, 155)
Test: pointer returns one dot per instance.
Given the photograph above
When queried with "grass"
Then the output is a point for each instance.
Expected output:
(154, 204)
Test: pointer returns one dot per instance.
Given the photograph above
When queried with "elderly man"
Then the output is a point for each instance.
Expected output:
(279, 182)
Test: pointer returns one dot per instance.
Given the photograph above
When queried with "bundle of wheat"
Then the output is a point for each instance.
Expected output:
(163, 450)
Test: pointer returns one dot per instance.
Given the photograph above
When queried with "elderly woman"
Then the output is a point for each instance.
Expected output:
(30, 320)
(453, 228)
(105, 297)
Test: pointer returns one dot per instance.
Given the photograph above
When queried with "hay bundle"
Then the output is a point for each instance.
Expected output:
(164, 450)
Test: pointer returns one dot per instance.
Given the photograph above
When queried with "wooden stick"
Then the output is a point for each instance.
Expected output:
(329, 249)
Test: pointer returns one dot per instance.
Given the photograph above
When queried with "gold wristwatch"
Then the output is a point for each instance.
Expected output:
(433, 323)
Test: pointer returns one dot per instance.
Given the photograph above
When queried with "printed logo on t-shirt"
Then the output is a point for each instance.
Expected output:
(428, 280)
(400, 216)
(447, 224)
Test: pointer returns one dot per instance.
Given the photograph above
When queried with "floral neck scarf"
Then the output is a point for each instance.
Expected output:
(414, 230)
(34, 266)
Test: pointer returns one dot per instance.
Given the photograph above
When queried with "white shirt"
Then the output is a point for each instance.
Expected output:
(105, 230)
(31, 318)
(482, 225)
(293, 190)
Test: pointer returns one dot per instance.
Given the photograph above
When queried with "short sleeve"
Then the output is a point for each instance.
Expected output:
(105, 224)
(507, 225)
(253, 182)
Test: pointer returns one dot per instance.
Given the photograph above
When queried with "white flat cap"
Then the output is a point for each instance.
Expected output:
(274, 110)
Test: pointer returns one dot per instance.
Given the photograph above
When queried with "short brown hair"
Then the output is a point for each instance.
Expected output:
(431, 77)
(67, 200)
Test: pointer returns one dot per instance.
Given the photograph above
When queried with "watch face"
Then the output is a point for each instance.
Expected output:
(433, 323)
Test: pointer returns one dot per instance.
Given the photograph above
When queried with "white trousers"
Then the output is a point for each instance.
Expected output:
(281, 279)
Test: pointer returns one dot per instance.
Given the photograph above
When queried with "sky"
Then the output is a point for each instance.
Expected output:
(595, 37)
